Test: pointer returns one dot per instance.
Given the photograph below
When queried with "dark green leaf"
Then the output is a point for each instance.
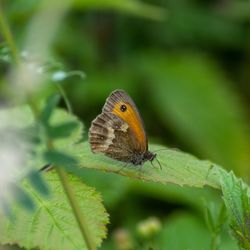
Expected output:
(62, 130)
(51, 104)
(23, 197)
(59, 159)
(38, 183)
(185, 231)
(5, 54)
(134, 7)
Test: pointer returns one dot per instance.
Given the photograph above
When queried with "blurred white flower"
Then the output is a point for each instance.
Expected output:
(13, 159)
(25, 54)
(27, 77)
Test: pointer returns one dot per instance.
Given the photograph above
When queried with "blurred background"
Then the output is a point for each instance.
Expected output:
(186, 65)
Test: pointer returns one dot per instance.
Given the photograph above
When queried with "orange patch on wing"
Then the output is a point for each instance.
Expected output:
(131, 118)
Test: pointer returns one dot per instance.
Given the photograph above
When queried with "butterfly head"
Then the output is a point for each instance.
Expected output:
(139, 159)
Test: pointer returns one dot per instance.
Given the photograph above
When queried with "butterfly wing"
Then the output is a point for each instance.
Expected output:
(109, 134)
(121, 104)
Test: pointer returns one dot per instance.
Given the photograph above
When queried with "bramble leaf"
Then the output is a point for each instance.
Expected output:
(236, 198)
(52, 224)
(177, 167)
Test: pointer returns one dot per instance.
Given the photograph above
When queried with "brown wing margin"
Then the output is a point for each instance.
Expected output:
(116, 96)
(100, 135)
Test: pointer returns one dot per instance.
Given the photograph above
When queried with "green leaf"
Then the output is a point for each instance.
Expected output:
(59, 159)
(59, 118)
(135, 7)
(186, 231)
(180, 231)
(236, 198)
(52, 224)
(215, 214)
(62, 130)
(5, 54)
(177, 167)
(51, 104)
(113, 188)
(22, 119)
(36, 179)
(22, 197)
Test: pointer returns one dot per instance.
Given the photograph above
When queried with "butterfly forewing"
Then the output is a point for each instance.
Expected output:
(119, 99)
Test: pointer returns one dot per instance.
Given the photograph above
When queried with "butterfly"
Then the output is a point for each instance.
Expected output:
(119, 132)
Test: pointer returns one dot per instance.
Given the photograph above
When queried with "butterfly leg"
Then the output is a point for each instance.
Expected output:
(124, 166)
(140, 168)
(157, 162)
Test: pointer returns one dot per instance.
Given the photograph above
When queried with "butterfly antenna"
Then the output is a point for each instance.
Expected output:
(157, 162)
(124, 166)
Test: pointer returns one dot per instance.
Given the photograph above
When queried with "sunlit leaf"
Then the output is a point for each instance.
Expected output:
(236, 198)
(177, 167)
(52, 225)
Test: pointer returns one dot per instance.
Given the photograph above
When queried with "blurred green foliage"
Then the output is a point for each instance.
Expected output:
(186, 65)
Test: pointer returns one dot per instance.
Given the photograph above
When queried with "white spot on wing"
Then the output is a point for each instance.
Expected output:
(124, 127)
(110, 137)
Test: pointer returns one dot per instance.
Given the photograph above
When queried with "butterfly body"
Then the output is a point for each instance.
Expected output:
(118, 131)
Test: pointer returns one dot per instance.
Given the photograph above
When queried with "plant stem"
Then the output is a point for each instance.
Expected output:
(8, 36)
(214, 242)
(5, 30)
(76, 210)
(65, 98)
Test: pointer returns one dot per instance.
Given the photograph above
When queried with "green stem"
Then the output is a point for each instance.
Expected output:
(65, 98)
(8, 36)
(76, 210)
(214, 242)
(61, 173)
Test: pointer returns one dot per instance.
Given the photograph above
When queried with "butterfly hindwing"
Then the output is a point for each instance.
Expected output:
(110, 135)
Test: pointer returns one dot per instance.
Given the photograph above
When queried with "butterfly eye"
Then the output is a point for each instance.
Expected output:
(123, 108)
